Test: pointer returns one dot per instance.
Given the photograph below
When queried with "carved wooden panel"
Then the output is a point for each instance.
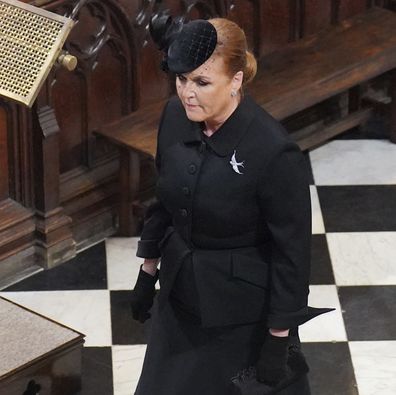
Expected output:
(107, 94)
(104, 85)
(154, 83)
(247, 15)
(4, 179)
(69, 100)
(19, 153)
(151, 78)
(349, 8)
(317, 15)
(276, 22)
(202, 9)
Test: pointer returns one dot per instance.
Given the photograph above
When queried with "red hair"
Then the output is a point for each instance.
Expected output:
(232, 47)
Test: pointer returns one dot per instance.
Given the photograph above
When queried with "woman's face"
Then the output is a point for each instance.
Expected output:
(206, 91)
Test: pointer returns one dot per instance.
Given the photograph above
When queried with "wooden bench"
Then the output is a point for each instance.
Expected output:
(135, 136)
(301, 75)
(335, 60)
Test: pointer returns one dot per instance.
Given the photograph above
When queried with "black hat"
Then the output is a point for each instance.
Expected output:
(186, 46)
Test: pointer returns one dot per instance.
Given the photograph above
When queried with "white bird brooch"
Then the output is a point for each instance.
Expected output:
(235, 164)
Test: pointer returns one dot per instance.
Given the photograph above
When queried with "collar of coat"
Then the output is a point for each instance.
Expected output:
(227, 137)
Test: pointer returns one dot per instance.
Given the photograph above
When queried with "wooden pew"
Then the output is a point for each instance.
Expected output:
(302, 74)
(323, 65)
(135, 136)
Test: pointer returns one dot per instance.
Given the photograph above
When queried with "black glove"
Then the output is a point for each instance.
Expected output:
(143, 295)
(271, 365)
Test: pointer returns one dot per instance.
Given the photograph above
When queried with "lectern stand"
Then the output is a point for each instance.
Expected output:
(37, 355)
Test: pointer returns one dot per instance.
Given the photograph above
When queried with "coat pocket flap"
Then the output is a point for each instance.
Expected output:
(249, 269)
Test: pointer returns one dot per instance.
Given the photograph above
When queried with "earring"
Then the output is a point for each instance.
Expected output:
(233, 93)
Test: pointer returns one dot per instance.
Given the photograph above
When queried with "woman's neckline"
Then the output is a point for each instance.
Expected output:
(203, 125)
(204, 131)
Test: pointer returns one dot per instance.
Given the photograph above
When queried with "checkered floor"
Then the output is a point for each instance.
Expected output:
(351, 351)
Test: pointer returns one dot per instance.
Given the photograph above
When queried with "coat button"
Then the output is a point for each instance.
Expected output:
(192, 168)
(183, 212)
(186, 191)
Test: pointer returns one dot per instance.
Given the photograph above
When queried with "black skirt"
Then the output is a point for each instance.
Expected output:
(183, 358)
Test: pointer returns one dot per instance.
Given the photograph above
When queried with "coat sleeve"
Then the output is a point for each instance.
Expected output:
(286, 205)
(157, 218)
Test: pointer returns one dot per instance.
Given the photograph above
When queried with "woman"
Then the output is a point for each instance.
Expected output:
(232, 226)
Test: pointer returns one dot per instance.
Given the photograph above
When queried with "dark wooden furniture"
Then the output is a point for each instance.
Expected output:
(135, 136)
(290, 80)
(37, 355)
(328, 63)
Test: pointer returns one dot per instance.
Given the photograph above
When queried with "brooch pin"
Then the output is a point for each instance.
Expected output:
(235, 164)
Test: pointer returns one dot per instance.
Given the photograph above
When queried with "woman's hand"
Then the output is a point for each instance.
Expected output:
(279, 332)
(150, 266)
(143, 293)
(271, 366)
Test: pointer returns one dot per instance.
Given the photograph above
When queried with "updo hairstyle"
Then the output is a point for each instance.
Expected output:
(232, 47)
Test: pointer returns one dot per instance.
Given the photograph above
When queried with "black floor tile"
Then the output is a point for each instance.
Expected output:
(85, 271)
(331, 370)
(125, 329)
(369, 312)
(358, 208)
(321, 269)
(97, 371)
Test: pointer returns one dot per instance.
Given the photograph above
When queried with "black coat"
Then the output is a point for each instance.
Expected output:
(239, 204)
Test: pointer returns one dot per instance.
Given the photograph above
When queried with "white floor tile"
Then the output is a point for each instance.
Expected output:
(122, 262)
(86, 311)
(317, 218)
(127, 366)
(354, 162)
(375, 367)
(328, 327)
(363, 258)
